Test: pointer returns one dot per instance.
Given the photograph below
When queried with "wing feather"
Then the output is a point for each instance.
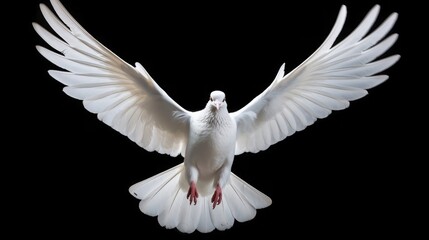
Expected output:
(124, 97)
(328, 80)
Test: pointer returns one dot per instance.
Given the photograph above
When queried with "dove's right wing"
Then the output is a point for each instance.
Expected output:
(326, 81)
(124, 97)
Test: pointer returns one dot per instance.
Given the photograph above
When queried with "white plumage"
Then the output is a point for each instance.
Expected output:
(201, 193)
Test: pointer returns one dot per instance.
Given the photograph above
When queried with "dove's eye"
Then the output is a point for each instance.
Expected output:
(223, 100)
(211, 99)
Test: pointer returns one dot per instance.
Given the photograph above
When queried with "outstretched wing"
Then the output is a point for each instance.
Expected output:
(124, 97)
(330, 78)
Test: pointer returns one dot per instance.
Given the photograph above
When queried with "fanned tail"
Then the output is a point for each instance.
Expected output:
(164, 195)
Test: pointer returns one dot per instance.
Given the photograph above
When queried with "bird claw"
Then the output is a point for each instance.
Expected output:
(217, 196)
(192, 194)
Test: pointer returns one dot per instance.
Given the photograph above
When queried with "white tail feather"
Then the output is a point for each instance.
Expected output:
(164, 195)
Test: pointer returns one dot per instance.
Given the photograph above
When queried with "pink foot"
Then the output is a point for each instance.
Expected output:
(217, 196)
(192, 193)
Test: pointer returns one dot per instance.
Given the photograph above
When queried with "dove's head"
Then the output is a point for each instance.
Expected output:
(217, 100)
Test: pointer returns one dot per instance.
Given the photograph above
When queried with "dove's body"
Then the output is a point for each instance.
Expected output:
(131, 102)
(209, 154)
(211, 144)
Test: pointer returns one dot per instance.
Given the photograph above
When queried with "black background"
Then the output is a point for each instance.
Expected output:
(344, 176)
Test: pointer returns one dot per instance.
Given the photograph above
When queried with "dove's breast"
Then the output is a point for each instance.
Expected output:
(211, 142)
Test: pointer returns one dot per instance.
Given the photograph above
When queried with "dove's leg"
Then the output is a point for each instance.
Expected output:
(192, 175)
(217, 196)
(192, 193)
(224, 173)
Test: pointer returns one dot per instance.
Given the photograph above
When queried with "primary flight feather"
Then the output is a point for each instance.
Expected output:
(201, 193)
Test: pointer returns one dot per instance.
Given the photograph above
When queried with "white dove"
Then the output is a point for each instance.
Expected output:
(201, 193)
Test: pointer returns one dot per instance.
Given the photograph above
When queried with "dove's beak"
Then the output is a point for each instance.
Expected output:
(217, 105)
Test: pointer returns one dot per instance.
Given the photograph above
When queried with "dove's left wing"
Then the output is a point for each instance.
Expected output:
(124, 97)
(326, 81)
